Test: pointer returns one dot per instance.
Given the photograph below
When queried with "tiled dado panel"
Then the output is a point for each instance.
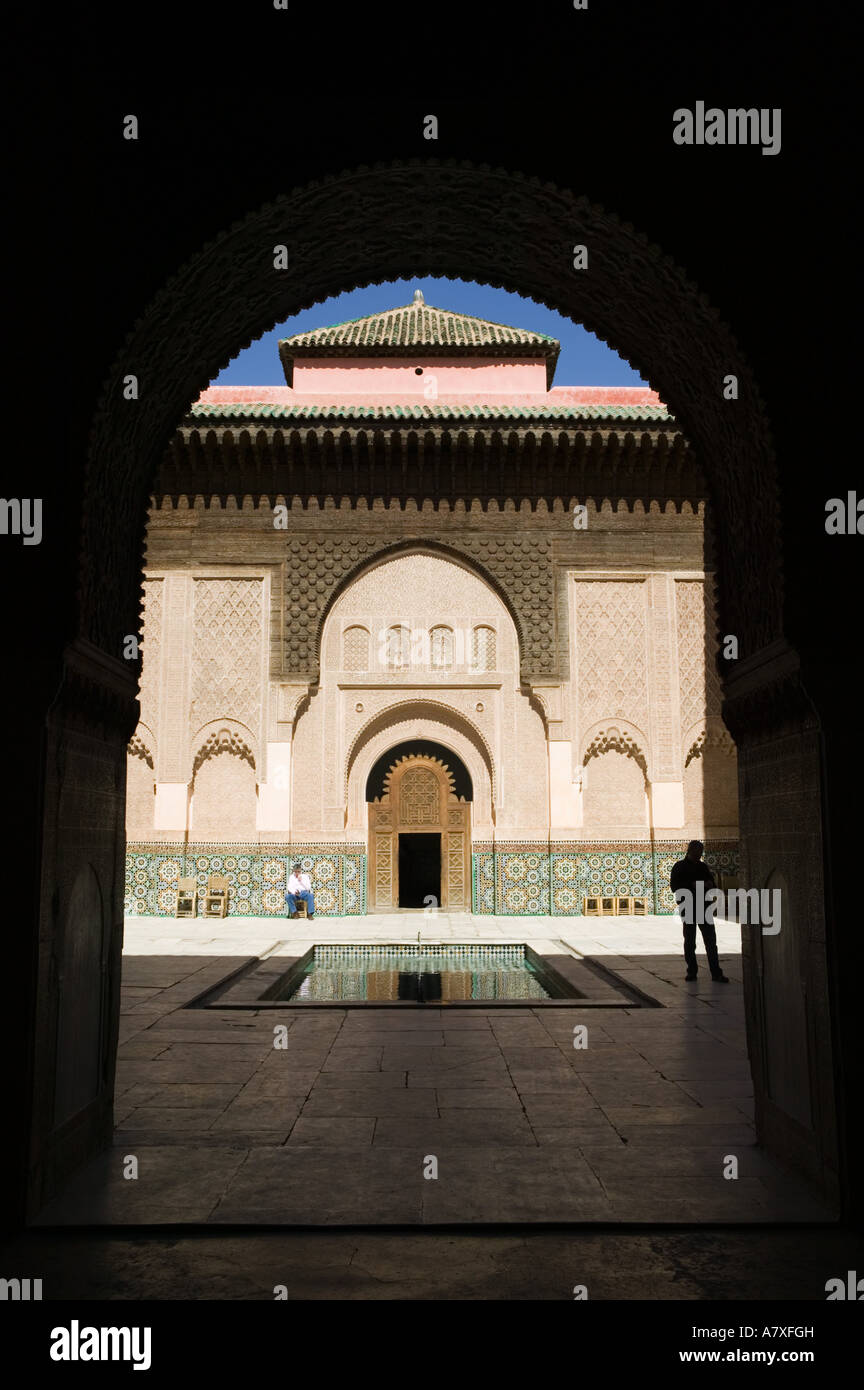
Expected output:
(256, 875)
(524, 880)
(518, 880)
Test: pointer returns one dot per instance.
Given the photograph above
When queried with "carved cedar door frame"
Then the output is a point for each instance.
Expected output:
(419, 798)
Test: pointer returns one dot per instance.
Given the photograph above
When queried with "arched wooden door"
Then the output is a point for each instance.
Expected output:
(419, 800)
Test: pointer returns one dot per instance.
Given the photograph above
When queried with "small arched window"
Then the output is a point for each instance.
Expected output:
(398, 655)
(355, 649)
(484, 655)
(441, 647)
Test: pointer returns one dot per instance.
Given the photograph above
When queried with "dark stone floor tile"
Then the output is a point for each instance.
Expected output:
(362, 1081)
(177, 1183)
(481, 1076)
(476, 1098)
(261, 1112)
(351, 1059)
(302, 1184)
(334, 1132)
(392, 1037)
(437, 1058)
(483, 1127)
(287, 1082)
(377, 1101)
(164, 1117)
(576, 1133)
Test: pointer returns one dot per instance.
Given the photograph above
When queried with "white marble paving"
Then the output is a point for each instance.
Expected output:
(255, 936)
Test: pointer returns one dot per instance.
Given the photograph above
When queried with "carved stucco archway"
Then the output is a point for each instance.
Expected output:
(620, 735)
(223, 735)
(424, 719)
(143, 745)
(477, 555)
(710, 732)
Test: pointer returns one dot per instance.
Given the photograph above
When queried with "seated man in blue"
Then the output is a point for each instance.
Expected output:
(300, 886)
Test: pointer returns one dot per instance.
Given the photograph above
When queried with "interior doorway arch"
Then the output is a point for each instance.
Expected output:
(420, 834)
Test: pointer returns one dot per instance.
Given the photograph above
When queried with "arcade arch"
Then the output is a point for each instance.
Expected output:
(504, 229)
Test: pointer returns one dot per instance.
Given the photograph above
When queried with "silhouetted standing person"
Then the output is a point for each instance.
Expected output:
(685, 875)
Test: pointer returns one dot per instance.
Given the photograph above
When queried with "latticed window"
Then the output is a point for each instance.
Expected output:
(484, 654)
(355, 649)
(441, 641)
(398, 648)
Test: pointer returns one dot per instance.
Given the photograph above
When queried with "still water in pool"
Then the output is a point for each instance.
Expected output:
(421, 974)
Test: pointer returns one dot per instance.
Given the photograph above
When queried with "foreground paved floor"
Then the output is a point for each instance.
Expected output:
(649, 1264)
(339, 1127)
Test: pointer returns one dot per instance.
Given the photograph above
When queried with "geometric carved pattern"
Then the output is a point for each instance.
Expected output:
(456, 863)
(719, 738)
(522, 569)
(384, 871)
(355, 649)
(151, 628)
(403, 728)
(427, 760)
(697, 675)
(226, 741)
(615, 740)
(610, 636)
(525, 572)
(226, 656)
(484, 656)
(418, 798)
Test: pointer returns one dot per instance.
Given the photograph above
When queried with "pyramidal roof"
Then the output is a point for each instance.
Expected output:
(419, 328)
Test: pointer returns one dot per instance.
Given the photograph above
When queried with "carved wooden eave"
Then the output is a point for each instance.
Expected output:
(541, 462)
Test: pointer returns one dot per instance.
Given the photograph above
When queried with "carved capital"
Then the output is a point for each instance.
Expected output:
(289, 701)
(98, 693)
(765, 697)
(548, 700)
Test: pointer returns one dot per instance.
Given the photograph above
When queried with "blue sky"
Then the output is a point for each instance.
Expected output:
(584, 360)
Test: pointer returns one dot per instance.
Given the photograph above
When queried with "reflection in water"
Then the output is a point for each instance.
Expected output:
(422, 974)
(425, 986)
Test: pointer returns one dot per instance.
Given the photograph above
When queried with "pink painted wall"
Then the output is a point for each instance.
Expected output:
(558, 396)
(454, 376)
